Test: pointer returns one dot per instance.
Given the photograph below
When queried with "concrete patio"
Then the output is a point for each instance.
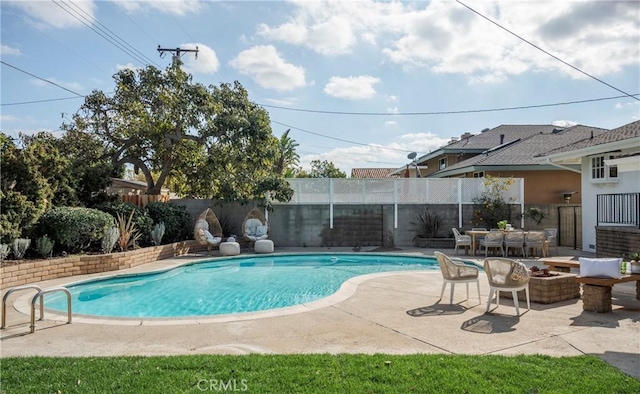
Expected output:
(397, 313)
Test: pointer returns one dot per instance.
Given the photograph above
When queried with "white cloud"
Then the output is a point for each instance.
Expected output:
(8, 118)
(564, 123)
(445, 37)
(206, 63)
(50, 14)
(393, 110)
(392, 98)
(268, 69)
(390, 123)
(6, 50)
(352, 88)
(175, 7)
(626, 105)
(129, 66)
(282, 102)
(379, 156)
(76, 87)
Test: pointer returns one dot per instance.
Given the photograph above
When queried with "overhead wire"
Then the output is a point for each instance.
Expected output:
(113, 34)
(546, 52)
(470, 111)
(339, 139)
(40, 78)
(87, 22)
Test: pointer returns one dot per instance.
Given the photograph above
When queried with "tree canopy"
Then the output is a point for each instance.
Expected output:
(322, 169)
(209, 142)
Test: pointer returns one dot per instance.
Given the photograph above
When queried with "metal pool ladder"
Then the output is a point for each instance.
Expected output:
(40, 294)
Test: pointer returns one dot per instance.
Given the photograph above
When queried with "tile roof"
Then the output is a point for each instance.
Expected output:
(491, 138)
(372, 173)
(627, 131)
(522, 153)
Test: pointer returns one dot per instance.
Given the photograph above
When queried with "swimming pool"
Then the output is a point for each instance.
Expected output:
(228, 286)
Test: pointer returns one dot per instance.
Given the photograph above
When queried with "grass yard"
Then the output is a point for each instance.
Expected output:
(321, 373)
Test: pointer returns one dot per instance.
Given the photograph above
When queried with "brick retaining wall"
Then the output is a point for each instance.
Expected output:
(616, 241)
(39, 270)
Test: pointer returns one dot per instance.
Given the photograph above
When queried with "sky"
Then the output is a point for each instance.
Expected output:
(359, 83)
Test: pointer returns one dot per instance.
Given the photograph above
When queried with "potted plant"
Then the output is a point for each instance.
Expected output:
(502, 225)
(635, 263)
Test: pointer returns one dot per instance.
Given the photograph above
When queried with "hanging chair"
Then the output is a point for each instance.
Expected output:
(207, 230)
(255, 227)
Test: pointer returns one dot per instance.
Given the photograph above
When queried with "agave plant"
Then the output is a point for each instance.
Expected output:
(128, 232)
(157, 233)
(44, 246)
(109, 239)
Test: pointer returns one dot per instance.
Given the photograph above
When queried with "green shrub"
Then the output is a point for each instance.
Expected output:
(20, 247)
(141, 218)
(109, 239)
(157, 233)
(75, 229)
(44, 246)
(176, 219)
(4, 251)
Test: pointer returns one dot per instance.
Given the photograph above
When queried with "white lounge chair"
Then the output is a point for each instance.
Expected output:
(453, 272)
(507, 275)
(461, 240)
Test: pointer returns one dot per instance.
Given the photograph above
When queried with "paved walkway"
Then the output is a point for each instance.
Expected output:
(399, 314)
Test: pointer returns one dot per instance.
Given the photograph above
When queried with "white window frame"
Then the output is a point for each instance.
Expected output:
(442, 163)
(478, 174)
(597, 166)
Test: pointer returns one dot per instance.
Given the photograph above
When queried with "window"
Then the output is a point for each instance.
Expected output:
(442, 163)
(479, 174)
(600, 171)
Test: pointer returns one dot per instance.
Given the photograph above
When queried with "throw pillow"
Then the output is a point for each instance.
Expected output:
(600, 267)
(520, 272)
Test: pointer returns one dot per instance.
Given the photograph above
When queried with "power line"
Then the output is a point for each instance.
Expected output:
(42, 79)
(542, 50)
(471, 111)
(339, 139)
(101, 32)
(176, 21)
(41, 101)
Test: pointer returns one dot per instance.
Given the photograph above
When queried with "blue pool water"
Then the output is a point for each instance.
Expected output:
(228, 286)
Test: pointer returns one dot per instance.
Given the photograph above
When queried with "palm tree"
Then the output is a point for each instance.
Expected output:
(288, 159)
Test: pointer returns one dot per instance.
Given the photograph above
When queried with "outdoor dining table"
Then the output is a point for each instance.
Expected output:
(474, 233)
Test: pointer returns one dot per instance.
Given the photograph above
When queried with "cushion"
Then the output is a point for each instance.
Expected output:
(201, 223)
(261, 230)
(250, 227)
(601, 267)
(519, 272)
(210, 238)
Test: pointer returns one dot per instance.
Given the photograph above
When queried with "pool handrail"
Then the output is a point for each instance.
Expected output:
(6, 296)
(41, 294)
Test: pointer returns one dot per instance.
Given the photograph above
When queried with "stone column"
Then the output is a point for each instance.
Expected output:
(596, 298)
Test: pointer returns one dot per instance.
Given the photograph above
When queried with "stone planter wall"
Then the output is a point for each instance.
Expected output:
(39, 270)
(549, 290)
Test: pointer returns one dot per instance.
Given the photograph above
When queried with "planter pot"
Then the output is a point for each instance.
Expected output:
(634, 267)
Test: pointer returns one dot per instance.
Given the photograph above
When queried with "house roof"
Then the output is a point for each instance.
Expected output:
(133, 184)
(372, 173)
(477, 143)
(631, 130)
(522, 152)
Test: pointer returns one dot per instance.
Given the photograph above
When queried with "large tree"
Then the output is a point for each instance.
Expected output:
(212, 142)
(322, 169)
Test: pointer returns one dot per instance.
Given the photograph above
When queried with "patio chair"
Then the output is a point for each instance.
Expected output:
(454, 272)
(552, 238)
(256, 229)
(207, 230)
(514, 239)
(461, 240)
(507, 275)
(493, 240)
(534, 240)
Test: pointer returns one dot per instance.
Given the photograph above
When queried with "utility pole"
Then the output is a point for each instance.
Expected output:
(177, 53)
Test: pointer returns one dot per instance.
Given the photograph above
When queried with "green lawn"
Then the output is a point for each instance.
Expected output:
(315, 374)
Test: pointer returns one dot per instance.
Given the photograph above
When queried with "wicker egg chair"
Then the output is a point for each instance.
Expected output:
(255, 226)
(207, 230)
